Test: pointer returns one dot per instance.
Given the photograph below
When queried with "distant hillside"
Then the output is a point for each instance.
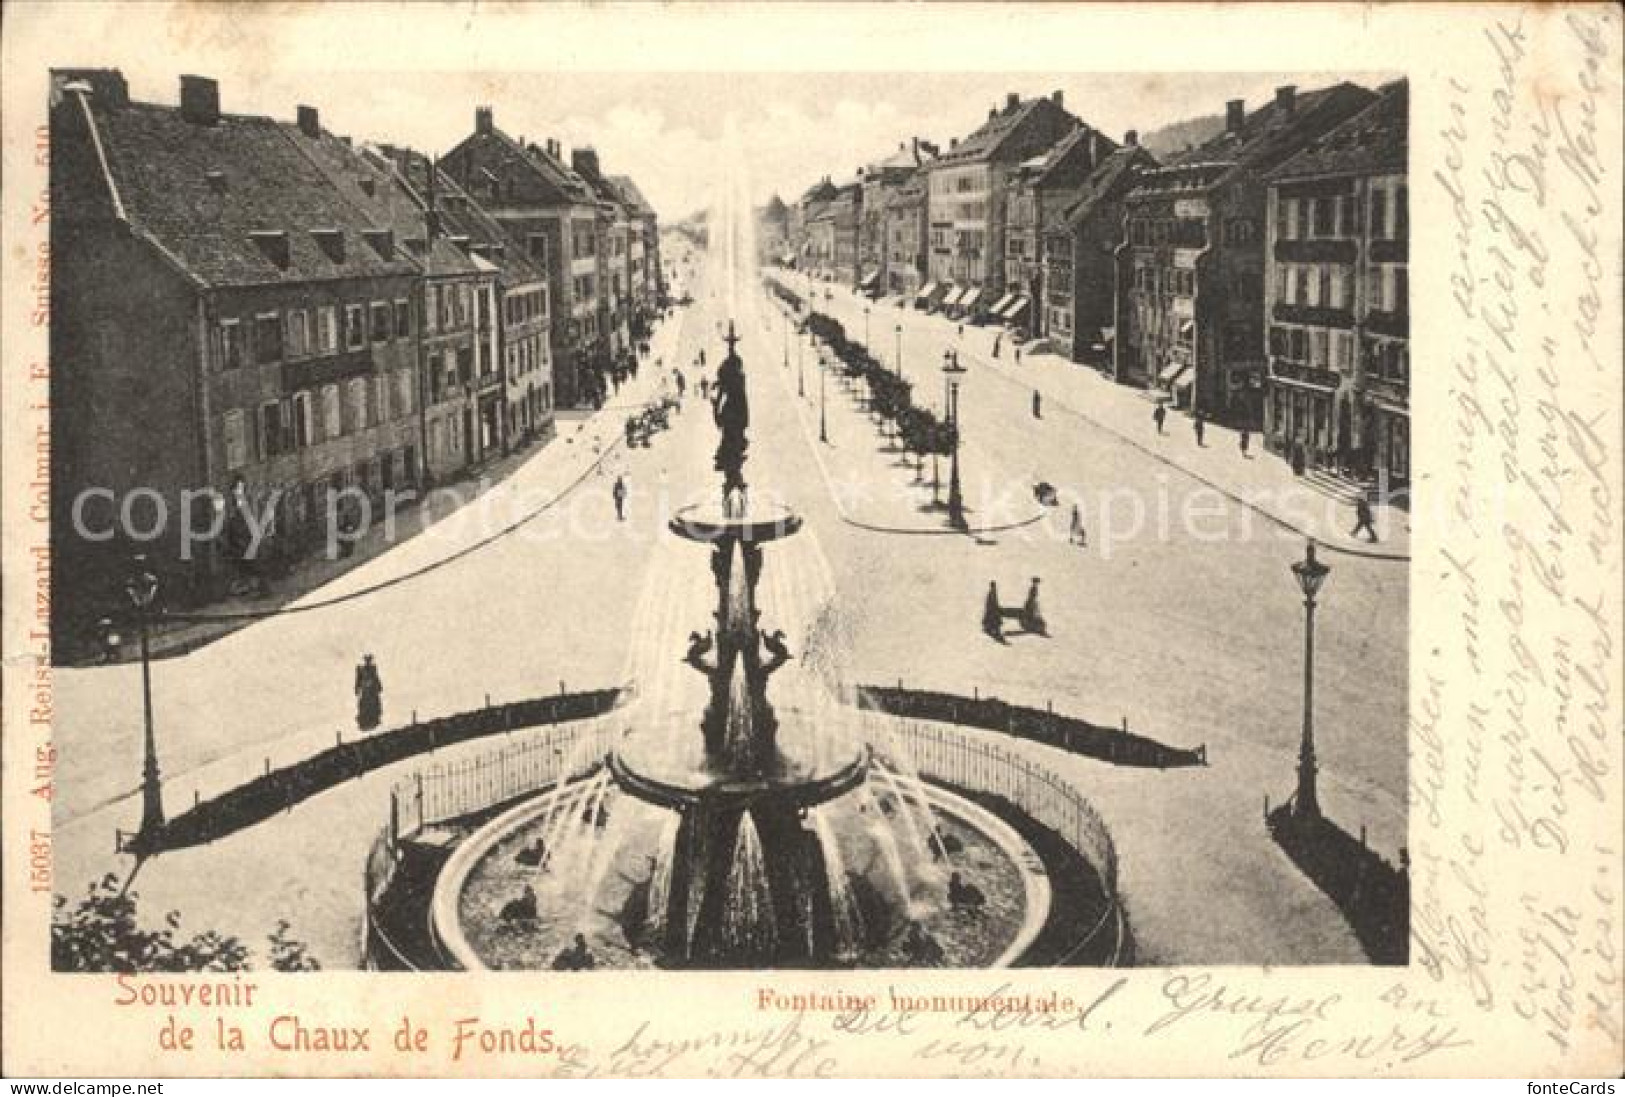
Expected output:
(1171, 140)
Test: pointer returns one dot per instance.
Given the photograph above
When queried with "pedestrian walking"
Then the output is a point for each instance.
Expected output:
(962, 331)
(1079, 535)
(369, 692)
(998, 341)
(1032, 618)
(1363, 519)
(619, 492)
(1018, 356)
(1246, 439)
(1159, 415)
(1038, 404)
(1199, 426)
(992, 618)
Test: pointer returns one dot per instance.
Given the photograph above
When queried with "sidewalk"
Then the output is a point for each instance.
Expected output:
(1260, 480)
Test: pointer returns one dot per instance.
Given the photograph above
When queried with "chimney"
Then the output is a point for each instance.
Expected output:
(200, 100)
(553, 148)
(1286, 98)
(1058, 97)
(1011, 101)
(482, 119)
(310, 122)
(1132, 139)
(585, 162)
(992, 113)
(1235, 112)
(953, 142)
(106, 86)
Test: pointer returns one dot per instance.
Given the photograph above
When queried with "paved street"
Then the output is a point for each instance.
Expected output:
(1192, 633)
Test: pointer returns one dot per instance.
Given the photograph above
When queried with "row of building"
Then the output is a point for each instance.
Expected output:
(1257, 278)
(264, 312)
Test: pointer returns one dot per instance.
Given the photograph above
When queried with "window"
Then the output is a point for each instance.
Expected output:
(1323, 276)
(1401, 291)
(1379, 214)
(332, 418)
(1300, 228)
(403, 392)
(327, 330)
(358, 404)
(538, 247)
(304, 425)
(235, 440)
(380, 321)
(1317, 348)
(267, 338)
(298, 333)
(270, 429)
(355, 327)
(1338, 295)
(1402, 213)
(1325, 216)
(431, 308)
(231, 344)
(1286, 218)
(403, 318)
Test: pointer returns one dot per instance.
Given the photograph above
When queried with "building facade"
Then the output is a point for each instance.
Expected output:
(1338, 311)
(1040, 190)
(1190, 267)
(967, 188)
(230, 334)
(545, 205)
(1079, 269)
(905, 226)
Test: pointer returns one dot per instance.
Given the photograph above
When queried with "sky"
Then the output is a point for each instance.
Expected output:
(667, 130)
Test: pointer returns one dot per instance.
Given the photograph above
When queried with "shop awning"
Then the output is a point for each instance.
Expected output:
(1186, 326)
(869, 279)
(1017, 307)
(1170, 371)
(1108, 335)
(968, 298)
(1001, 304)
(926, 291)
(1183, 379)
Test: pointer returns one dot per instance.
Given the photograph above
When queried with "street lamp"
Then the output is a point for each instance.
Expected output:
(823, 420)
(801, 384)
(952, 371)
(1310, 574)
(899, 351)
(865, 327)
(142, 589)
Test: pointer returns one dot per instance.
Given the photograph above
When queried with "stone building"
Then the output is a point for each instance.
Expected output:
(1040, 189)
(905, 227)
(966, 192)
(1079, 267)
(545, 205)
(461, 390)
(228, 330)
(1190, 268)
(1338, 311)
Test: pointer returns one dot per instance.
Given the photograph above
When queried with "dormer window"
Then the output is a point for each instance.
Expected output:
(216, 181)
(369, 186)
(273, 245)
(381, 241)
(331, 241)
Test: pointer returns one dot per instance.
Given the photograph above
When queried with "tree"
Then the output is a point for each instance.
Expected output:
(103, 933)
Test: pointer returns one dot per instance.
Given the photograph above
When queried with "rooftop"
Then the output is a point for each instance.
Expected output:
(1375, 140)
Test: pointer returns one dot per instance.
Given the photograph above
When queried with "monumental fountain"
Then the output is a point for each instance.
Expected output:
(760, 838)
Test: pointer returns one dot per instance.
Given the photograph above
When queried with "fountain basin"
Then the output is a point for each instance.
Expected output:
(759, 523)
(481, 875)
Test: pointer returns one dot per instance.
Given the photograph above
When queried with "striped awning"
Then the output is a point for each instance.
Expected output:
(926, 291)
(1001, 304)
(1015, 308)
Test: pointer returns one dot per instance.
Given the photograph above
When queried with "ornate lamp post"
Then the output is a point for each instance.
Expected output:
(899, 351)
(952, 371)
(142, 589)
(823, 420)
(1310, 574)
(801, 383)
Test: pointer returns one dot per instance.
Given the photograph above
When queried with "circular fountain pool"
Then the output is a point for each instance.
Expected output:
(597, 862)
